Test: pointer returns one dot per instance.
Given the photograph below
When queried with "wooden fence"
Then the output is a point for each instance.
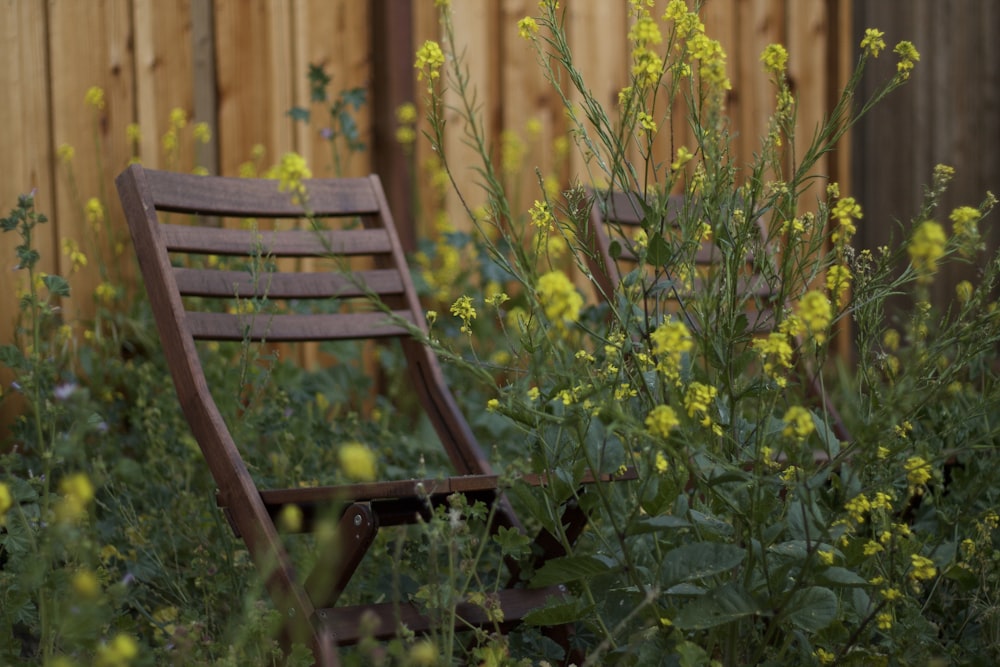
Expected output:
(240, 66)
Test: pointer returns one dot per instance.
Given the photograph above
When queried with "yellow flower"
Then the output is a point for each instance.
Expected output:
(872, 43)
(857, 507)
(105, 292)
(406, 113)
(86, 585)
(647, 122)
(291, 171)
(132, 132)
(423, 654)
(178, 118)
(799, 423)
(824, 657)
(94, 97)
(923, 568)
(908, 55)
(661, 420)
(65, 153)
(965, 221)
(963, 291)
(918, 473)
(290, 518)
(670, 341)
(838, 281)
(925, 248)
(120, 652)
(357, 462)
(776, 352)
(527, 27)
(559, 298)
(430, 59)
(775, 59)
(463, 309)
(825, 556)
(202, 133)
(541, 215)
(6, 501)
(845, 212)
(492, 405)
(661, 464)
(816, 314)
(698, 402)
(645, 32)
(683, 157)
(77, 492)
(884, 620)
(71, 249)
(94, 211)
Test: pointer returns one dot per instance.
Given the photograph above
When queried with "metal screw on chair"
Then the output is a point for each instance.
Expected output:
(357, 520)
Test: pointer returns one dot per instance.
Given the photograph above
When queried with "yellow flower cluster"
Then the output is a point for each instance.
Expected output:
(776, 352)
(119, 652)
(799, 423)
(291, 171)
(661, 420)
(872, 43)
(430, 59)
(698, 402)
(775, 59)
(908, 55)
(357, 461)
(671, 341)
(406, 116)
(77, 493)
(964, 220)
(527, 27)
(923, 568)
(464, 310)
(918, 473)
(838, 281)
(559, 298)
(94, 97)
(541, 215)
(816, 314)
(845, 212)
(925, 248)
(6, 501)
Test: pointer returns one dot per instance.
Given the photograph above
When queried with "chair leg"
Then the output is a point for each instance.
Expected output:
(334, 567)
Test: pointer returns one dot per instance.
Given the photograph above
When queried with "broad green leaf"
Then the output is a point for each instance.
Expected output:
(570, 568)
(299, 113)
(557, 612)
(691, 655)
(717, 607)
(812, 608)
(653, 524)
(56, 285)
(696, 561)
(659, 252)
(12, 357)
(843, 577)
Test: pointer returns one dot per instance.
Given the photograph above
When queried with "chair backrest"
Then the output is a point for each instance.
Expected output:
(616, 219)
(320, 259)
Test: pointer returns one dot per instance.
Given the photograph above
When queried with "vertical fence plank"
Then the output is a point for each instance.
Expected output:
(90, 45)
(26, 145)
(254, 60)
(477, 42)
(163, 79)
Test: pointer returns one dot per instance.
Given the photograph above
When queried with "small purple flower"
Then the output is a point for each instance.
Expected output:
(326, 133)
(64, 391)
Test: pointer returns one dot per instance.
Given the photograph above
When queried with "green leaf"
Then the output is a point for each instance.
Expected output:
(659, 252)
(700, 560)
(512, 542)
(56, 285)
(691, 655)
(717, 607)
(570, 568)
(12, 357)
(843, 577)
(654, 524)
(557, 612)
(812, 608)
(299, 113)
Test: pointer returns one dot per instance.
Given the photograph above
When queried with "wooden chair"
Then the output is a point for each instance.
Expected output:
(615, 219)
(310, 609)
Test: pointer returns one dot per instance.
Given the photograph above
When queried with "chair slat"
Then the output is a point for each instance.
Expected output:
(379, 490)
(258, 198)
(295, 328)
(289, 243)
(279, 285)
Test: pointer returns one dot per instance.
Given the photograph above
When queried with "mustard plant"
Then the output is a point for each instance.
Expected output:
(757, 532)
